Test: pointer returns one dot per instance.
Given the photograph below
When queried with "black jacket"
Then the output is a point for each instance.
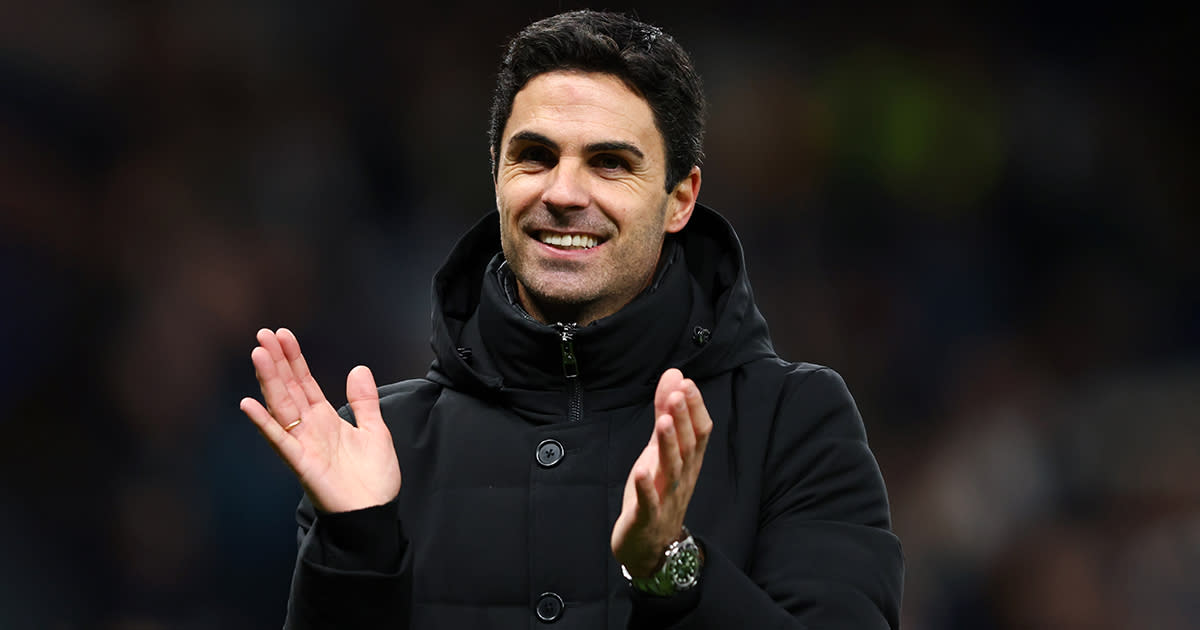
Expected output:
(790, 506)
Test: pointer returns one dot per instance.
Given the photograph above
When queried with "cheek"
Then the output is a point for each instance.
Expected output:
(517, 192)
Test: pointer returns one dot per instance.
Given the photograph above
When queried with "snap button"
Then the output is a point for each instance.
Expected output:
(549, 453)
(550, 607)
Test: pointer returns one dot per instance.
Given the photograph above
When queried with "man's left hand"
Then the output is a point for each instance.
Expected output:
(661, 482)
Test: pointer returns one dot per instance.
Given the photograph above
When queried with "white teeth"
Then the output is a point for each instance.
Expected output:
(581, 241)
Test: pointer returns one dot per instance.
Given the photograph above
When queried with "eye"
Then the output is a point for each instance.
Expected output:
(610, 162)
(536, 153)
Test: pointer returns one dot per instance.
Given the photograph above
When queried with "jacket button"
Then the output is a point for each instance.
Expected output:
(549, 453)
(550, 607)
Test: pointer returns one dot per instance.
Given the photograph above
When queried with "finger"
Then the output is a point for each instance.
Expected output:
(667, 383)
(299, 366)
(363, 396)
(669, 458)
(648, 503)
(701, 420)
(274, 387)
(270, 340)
(310, 418)
(681, 415)
(284, 444)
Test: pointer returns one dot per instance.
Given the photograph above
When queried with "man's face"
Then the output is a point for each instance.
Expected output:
(580, 186)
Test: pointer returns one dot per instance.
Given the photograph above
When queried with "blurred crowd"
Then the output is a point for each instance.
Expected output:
(982, 219)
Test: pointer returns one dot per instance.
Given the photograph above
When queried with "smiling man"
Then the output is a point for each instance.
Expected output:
(606, 437)
(581, 185)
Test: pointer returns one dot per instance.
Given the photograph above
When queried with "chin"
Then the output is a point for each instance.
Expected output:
(560, 306)
(562, 301)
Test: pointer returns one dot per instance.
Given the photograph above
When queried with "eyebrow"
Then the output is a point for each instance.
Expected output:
(613, 145)
(595, 147)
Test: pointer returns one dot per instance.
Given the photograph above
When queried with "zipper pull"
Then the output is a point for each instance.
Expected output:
(566, 334)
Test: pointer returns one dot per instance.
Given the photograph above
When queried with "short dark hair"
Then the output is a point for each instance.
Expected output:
(645, 58)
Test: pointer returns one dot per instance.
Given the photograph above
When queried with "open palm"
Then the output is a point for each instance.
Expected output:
(663, 478)
(342, 467)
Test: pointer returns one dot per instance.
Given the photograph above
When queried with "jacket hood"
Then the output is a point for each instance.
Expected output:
(698, 315)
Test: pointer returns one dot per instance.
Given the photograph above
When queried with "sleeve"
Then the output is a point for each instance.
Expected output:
(351, 571)
(825, 556)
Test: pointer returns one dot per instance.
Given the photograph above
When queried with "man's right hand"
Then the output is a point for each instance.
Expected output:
(341, 467)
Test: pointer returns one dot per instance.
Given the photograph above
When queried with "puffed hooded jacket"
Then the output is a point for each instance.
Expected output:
(516, 446)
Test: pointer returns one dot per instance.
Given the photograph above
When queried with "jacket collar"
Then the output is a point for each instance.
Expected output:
(699, 315)
(528, 354)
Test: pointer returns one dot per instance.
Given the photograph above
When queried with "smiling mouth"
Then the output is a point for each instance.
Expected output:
(568, 241)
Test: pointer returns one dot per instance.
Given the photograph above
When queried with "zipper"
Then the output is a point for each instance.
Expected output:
(566, 335)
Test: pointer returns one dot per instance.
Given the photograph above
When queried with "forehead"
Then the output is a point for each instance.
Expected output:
(584, 106)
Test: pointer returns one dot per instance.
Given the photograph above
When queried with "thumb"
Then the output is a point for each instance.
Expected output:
(363, 396)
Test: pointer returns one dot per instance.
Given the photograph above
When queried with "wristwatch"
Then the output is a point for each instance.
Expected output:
(680, 570)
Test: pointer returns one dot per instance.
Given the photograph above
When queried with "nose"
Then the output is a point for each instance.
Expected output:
(566, 186)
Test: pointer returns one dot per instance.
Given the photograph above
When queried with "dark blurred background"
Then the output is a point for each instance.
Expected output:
(984, 219)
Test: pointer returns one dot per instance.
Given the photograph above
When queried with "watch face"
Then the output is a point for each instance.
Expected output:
(684, 565)
(679, 572)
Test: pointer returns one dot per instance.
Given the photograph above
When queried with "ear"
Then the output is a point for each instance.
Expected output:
(682, 201)
(495, 180)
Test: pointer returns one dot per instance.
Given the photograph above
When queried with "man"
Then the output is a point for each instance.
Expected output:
(548, 468)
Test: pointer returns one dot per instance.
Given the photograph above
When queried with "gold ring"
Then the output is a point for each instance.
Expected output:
(295, 423)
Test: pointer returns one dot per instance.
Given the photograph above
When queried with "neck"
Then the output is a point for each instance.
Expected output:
(580, 314)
